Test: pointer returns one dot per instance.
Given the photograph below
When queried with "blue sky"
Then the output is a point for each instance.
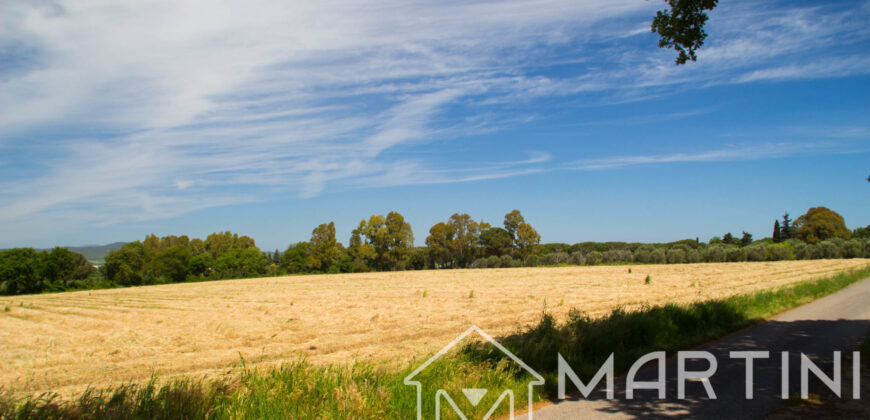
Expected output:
(269, 117)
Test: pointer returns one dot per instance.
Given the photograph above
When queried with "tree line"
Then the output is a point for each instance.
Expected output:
(25, 270)
(386, 243)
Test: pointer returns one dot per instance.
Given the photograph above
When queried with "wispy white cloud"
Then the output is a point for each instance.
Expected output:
(728, 154)
(174, 105)
(848, 66)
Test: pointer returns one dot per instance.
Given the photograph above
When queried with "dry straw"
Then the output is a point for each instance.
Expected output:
(64, 342)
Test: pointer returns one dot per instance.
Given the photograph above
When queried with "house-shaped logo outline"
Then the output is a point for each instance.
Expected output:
(539, 380)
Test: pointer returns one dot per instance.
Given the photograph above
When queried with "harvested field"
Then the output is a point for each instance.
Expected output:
(64, 342)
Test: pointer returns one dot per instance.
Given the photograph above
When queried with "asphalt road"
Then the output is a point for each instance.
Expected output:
(839, 321)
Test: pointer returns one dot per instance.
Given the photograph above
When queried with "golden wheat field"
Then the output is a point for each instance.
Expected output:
(65, 342)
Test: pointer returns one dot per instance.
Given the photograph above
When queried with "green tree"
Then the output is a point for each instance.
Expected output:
(527, 239)
(401, 240)
(465, 238)
(221, 243)
(746, 239)
(57, 265)
(82, 268)
(820, 223)
(777, 232)
(172, 240)
(682, 27)
(240, 262)
(175, 258)
(126, 266)
(296, 258)
(391, 239)
(729, 239)
(61, 267)
(172, 263)
(439, 244)
(151, 243)
(863, 232)
(197, 246)
(359, 253)
(19, 271)
(201, 265)
(512, 222)
(374, 232)
(419, 258)
(496, 242)
(324, 251)
(787, 228)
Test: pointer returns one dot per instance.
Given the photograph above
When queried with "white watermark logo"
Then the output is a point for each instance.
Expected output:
(807, 366)
(606, 373)
(473, 395)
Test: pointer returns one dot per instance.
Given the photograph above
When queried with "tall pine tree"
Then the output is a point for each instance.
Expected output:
(777, 233)
(787, 231)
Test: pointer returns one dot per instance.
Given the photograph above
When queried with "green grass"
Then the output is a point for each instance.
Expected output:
(364, 390)
(293, 390)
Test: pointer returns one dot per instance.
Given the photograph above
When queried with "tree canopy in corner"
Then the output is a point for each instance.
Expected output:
(682, 27)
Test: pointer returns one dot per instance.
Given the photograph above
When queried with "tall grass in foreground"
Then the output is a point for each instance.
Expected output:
(365, 390)
(295, 390)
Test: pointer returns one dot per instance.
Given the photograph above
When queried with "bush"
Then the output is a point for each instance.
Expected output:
(480, 263)
(641, 256)
(578, 258)
(694, 256)
(507, 261)
(801, 250)
(594, 258)
(831, 249)
(532, 261)
(676, 256)
(559, 257)
(780, 252)
(756, 253)
(735, 254)
(546, 259)
(853, 249)
(493, 262)
(658, 256)
(617, 256)
(714, 253)
(815, 252)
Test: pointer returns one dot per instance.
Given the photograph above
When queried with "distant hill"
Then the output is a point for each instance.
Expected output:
(96, 253)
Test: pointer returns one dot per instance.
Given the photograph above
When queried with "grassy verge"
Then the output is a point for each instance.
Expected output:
(301, 390)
